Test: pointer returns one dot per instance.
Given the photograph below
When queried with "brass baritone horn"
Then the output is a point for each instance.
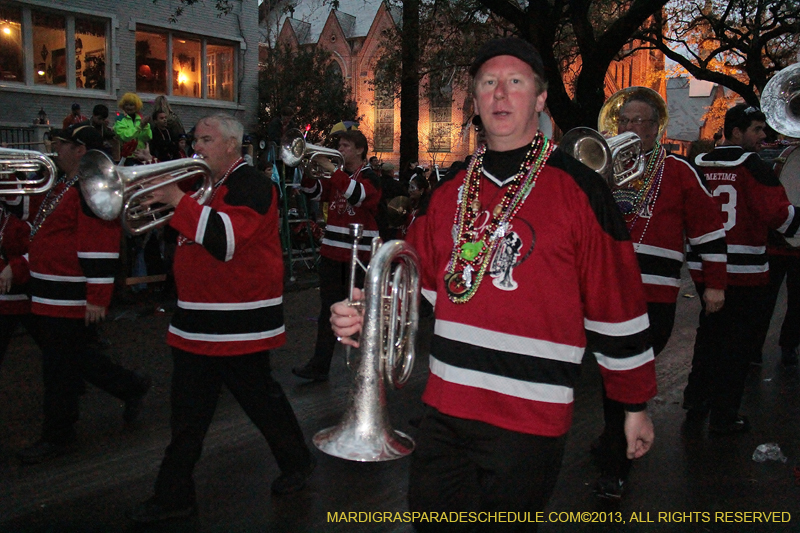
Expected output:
(618, 159)
(296, 151)
(116, 192)
(391, 317)
(26, 162)
(780, 101)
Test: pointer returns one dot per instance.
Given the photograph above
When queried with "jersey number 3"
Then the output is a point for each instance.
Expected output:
(729, 207)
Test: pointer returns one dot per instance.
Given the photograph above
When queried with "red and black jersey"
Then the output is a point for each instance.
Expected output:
(681, 207)
(72, 257)
(351, 199)
(229, 275)
(564, 280)
(752, 201)
(14, 238)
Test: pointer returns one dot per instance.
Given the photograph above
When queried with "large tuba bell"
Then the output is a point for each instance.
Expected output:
(116, 192)
(296, 151)
(780, 101)
(391, 315)
(27, 162)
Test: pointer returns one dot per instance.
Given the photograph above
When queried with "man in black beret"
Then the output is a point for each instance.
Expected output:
(528, 264)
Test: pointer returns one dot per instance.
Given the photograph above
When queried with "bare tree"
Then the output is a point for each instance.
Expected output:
(738, 44)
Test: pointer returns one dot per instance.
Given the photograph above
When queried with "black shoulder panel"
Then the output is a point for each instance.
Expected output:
(251, 188)
(597, 192)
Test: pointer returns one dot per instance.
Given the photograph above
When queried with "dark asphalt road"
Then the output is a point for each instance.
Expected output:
(114, 467)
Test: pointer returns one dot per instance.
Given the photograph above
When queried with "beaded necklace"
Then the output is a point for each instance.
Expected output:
(473, 248)
(644, 204)
(631, 199)
(51, 202)
(185, 240)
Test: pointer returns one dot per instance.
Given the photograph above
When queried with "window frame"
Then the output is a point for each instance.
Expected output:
(205, 40)
(29, 54)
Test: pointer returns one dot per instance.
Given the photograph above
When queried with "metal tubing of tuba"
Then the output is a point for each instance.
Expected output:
(618, 159)
(296, 151)
(27, 162)
(113, 192)
(391, 307)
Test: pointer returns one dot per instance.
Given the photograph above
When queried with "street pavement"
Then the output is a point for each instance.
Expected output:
(688, 482)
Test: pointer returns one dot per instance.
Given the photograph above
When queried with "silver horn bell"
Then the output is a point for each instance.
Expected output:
(780, 101)
(391, 316)
(116, 192)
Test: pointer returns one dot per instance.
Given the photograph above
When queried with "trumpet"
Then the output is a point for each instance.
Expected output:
(116, 192)
(391, 318)
(27, 162)
(296, 151)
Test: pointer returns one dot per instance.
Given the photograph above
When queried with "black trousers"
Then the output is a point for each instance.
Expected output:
(68, 360)
(780, 267)
(8, 324)
(612, 454)
(334, 284)
(196, 384)
(471, 466)
(722, 352)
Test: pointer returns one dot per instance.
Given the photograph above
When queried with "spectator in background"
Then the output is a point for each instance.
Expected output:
(409, 172)
(132, 128)
(173, 120)
(164, 145)
(75, 116)
(183, 146)
(280, 125)
(99, 121)
(375, 165)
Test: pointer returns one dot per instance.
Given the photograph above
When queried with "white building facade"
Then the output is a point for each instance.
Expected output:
(54, 53)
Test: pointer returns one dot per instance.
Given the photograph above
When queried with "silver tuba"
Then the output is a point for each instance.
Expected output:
(296, 151)
(618, 159)
(624, 161)
(26, 162)
(116, 192)
(391, 316)
(780, 101)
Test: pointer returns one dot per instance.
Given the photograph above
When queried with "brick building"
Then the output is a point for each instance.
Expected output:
(54, 53)
(352, 33)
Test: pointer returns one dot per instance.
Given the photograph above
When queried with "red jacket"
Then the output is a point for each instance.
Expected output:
(565, 280)
(230, 277)
(351, 200)
(73, 257)
(752, 201)
(682, 210)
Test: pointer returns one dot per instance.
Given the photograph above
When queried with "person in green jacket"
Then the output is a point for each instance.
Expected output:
(132, 128)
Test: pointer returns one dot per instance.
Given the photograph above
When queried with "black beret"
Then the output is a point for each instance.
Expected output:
(509, 46)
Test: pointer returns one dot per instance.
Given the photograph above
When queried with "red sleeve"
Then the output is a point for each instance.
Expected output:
(615, 312)
(98, 253)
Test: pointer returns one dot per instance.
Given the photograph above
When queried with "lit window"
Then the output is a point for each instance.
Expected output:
(50, 49)
(11, 66)
(90, 54)
(220, 72)
(186, 68)
(151, 62)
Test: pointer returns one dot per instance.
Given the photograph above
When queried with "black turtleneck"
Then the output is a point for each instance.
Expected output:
(501, 167)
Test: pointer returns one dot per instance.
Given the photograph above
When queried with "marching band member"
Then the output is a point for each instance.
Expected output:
(751, 201)
(229, 276)
(353, 195)
(669, 201)
(72, 259)
(528, 263)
